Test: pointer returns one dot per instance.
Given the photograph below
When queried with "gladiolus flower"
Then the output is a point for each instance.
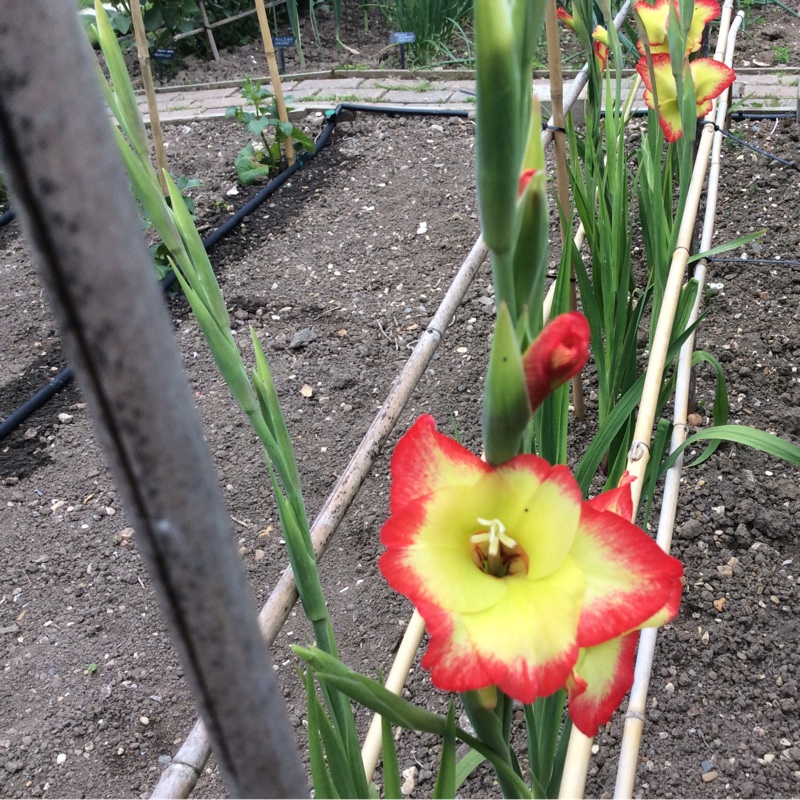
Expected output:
(556, 355)
(515, 576)
(655, 19)
(711, 78)
(600, 35)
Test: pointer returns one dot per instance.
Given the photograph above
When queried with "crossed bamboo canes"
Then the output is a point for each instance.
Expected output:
(576, 767)
(634, 716)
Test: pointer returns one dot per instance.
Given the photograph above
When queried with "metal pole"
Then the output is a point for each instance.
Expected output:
(76, 211)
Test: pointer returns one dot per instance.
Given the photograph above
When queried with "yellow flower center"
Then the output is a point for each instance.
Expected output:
(496, 553)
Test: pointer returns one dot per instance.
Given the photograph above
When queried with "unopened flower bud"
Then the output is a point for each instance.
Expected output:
(556, 355)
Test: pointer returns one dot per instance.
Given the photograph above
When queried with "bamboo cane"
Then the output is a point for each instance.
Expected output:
(576, 767)
(207, 29)
(152, 105)
(562, 172)
(635, 714)
(581, 79)
(180, 779)
(371, 751)
(275, 77)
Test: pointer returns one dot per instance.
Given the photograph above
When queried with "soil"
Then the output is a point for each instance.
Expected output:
(93, 696)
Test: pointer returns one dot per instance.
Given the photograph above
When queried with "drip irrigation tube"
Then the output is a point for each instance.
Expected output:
(34, 403)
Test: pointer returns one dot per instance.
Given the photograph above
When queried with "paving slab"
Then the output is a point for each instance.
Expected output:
(765, 91)
(357, 95)
(417, 98)
(332, 85)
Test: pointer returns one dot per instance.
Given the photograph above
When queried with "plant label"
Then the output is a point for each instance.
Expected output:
(403, 38)
(162, 54)
(282, 42)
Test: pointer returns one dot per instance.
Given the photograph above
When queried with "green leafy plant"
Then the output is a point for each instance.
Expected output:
(783, 55)
(262, 159)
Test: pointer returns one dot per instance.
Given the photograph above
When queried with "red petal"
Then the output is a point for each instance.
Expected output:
(556, 355)
(619, 501)
(592, 703)
(629, 578)
(566, 18)
(524, 180)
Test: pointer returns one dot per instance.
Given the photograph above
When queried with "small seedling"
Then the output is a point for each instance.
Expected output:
(92, 668)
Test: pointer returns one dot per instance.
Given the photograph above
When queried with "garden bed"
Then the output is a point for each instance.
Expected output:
(359, 248)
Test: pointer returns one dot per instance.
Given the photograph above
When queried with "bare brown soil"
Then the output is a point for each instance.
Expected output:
(92, 694)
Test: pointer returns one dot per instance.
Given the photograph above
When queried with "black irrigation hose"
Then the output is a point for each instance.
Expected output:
(34, 403)
(413, 112)
(753, 261)
(731, 137)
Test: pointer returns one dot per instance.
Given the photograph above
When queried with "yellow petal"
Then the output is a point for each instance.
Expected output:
(525, 643)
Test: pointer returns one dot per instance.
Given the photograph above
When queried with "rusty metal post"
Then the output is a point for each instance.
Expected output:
(73, 201)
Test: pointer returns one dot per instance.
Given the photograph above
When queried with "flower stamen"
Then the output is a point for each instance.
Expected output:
(494, 537)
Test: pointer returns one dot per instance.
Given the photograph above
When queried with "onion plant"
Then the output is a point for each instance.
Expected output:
(434, 22)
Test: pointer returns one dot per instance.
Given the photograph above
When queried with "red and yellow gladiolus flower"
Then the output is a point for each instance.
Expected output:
(711, 78)
(600, 36)
(655, 19)
(521, 584)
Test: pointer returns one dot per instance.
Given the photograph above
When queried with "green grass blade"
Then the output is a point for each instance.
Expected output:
(446, 780)
(320, 776)
(391, 767)
(467, 765)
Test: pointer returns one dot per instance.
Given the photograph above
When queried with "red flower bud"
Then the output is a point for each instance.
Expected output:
(557, 354)
(524, 180)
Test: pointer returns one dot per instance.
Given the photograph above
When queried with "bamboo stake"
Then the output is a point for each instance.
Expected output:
(143, 53)
(207, 29)
(75, 208)
(637, 704)
(192, 755)
(579, 751)
(371, 751)
(581, 79)
(275, 77)
(562, 172)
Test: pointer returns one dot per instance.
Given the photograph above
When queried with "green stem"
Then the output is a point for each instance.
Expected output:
(489, 729)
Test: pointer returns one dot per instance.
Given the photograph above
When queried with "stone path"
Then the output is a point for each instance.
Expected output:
(754, 90)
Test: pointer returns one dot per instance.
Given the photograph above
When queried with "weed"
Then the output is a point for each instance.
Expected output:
(782, 54)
